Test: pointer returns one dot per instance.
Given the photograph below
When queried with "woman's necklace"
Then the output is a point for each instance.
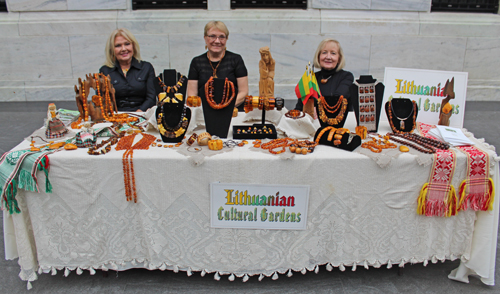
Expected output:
(334, 120)
(324, 81)
(226, 100)
(401, 120)
(220, 61)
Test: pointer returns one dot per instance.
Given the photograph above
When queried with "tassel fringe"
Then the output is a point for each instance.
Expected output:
(482, 202)
(445, 208)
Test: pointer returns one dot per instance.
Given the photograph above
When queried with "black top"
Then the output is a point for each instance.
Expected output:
(231, 67)
(338, 84)
(136, 90)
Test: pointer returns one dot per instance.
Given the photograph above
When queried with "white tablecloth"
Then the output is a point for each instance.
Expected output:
(359, 215)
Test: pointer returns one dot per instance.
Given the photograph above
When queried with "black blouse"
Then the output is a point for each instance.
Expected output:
(338, 84)
(231, 67)
(136, 90)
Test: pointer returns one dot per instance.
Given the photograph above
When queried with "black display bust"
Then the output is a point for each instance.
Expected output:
(402, 114)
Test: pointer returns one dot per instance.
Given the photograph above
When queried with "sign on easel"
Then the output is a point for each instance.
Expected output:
(426, 88)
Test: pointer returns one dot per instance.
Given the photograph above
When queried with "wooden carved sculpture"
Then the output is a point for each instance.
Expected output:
(266, 69)
(102, 106)
(446, 109)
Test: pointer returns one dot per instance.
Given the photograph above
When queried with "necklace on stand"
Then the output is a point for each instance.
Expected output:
(401, 120)
(220, 61)
(172, 132)
(226, 100)
(175, 88)
(341, 103)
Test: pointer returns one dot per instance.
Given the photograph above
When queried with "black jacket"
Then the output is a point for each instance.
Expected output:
(136, 90)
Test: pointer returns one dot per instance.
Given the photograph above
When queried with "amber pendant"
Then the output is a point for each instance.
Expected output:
(402, 125)
(215, 75)
(323, 81)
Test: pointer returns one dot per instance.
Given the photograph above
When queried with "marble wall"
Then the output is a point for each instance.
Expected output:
(44, 53)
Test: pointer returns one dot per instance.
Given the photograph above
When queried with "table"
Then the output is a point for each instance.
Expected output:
(359, 215)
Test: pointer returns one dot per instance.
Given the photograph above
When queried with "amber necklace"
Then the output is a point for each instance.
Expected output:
(125, 143)
(172, 132)
(211, 65)
(334, 120)
(402, 121)
(228, 90)
(331, 109)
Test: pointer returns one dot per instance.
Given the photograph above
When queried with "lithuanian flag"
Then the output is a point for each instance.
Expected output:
(302, 90)
(315, 91)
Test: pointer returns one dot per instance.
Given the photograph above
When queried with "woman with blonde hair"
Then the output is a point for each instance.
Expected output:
(332, 79)
(132, 78)
(217, 62)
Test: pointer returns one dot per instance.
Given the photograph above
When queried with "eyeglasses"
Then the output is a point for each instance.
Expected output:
(214, 37)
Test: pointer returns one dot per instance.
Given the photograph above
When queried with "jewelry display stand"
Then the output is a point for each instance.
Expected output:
(251, 132)
(366, 87)
(402, 114)
(173, 112)
(349, 141)
(217, 121)
(332, 101)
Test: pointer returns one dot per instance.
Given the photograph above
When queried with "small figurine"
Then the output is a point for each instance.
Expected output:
(86, 137)
(266, 69)
(55, 128)
(446, 108)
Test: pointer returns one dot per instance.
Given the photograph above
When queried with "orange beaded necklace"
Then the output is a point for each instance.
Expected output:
(331, 109)
(226, 100)
(125, 143)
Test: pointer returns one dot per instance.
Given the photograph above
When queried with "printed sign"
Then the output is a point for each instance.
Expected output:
(426, 87)
(247, 206)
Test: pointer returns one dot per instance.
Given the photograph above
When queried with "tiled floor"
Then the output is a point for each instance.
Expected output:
(18, 120)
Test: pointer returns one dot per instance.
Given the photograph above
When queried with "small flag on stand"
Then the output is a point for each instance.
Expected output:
(302, 90)
(315, 91)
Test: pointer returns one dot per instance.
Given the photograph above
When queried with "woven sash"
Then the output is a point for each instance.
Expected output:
(18, 170)
(438, 196)
(477, 190)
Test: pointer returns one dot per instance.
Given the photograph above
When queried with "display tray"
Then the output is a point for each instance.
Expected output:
(255, 131)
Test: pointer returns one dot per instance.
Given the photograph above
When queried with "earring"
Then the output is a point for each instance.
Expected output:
(206, 47)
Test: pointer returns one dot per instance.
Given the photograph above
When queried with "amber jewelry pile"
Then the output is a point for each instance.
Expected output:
(106, 144)
(303, 147)
(377, 145)
(274, 144)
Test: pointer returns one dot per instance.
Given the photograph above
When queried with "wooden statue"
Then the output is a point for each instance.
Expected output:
(266, 69)
(446, 109)
(99, 107)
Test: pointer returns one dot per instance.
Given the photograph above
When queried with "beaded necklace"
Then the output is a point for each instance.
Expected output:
(328, 108)
(172, 132)
(175, 88)
(334, 120)
(94, 150)
(107, 108)
(125, 143)
(277, 143)
(226, 100)
(402, 120)
(220, 61)
(424, 148)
